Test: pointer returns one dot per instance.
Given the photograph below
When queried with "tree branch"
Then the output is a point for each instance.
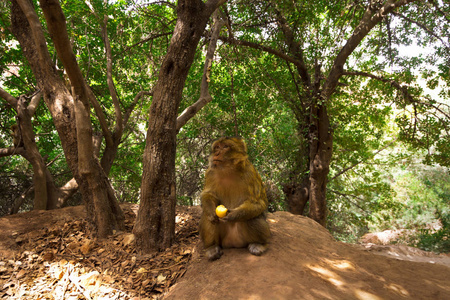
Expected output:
(109, 79)
(56, 25)
(149, 38)
(130, 108)
(205, 97)
(429, 31)
(256, 46)
(295, 49)
(11, 151)
(368, 21)
(10, 99)
(436, 6)
(351, 202)
(38, 33)
(34, 103)
(402, 88)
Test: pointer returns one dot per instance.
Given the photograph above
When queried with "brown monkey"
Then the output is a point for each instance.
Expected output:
(232, 181)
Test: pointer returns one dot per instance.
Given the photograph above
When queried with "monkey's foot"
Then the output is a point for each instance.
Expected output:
(257, 249)
(214, 252)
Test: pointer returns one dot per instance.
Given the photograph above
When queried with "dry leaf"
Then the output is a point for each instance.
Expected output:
(128, 239)
(48, 256)
(90, 278)
(160, 279)
(87, 247)
(21, 274)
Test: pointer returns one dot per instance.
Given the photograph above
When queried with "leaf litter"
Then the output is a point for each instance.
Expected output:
(61, 260)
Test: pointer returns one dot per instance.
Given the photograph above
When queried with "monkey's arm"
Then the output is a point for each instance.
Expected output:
(254, 205)
(250, 209)
(209, 202)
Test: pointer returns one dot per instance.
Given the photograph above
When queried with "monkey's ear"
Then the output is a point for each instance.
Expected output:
(240, 143)
(244, 144)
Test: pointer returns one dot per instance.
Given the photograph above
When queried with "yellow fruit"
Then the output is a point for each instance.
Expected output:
(221, 211)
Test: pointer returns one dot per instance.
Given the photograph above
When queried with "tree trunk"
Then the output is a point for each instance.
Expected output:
(297, 195)
(321, 141)
(32, 155)
(46, 193)
(103, 210)
(155, 223)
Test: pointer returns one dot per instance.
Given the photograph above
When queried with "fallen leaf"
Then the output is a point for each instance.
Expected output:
(87, 247)
(128, 239)
(21, 274)
(160, 279)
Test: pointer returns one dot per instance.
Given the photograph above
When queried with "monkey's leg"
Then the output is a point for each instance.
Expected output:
(257, 249)
(214, 252)
(209, 233)
(258, 233)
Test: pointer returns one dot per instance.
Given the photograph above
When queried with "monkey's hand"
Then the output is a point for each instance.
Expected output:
(231, 216)
(213, 218)
(246, 211)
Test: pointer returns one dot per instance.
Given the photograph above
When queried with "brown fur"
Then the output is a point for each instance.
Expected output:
(231, 180)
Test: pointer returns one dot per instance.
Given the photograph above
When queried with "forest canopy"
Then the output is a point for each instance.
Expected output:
(344, 107)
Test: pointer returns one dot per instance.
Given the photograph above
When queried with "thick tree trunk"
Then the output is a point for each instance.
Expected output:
(55, 94)
(155, 223)
(103, 209)
(320, 156)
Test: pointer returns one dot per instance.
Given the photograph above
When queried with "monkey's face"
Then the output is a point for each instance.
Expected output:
(226, 151)
(220, 154)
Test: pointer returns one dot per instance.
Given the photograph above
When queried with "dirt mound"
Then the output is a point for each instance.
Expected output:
(51, 255)
(305, 262)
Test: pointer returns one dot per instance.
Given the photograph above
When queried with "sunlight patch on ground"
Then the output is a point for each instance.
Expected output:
(363, 295)
(446, 287)
(68, 281)
(328, 275)
(340, 264)
(398, 288)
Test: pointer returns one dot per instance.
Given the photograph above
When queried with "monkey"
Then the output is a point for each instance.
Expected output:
(231, 180)
(16, 135)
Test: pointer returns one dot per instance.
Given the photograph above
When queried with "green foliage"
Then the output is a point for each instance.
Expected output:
(436, 240)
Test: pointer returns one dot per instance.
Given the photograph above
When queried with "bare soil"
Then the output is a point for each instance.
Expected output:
(51, 255)
(305, 262)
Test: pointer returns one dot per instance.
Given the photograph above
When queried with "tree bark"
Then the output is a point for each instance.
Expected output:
(45, 191)
(297, 195)
(101, 204)
(103, 209)
(321, 141)
(33, 155)
(155, 223)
